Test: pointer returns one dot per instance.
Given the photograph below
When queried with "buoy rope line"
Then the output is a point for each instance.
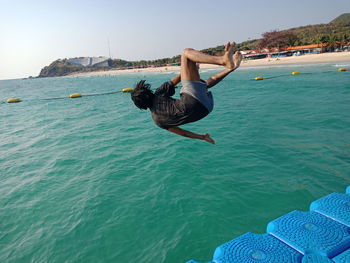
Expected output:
(127, 90)
(71, 96)
(297, 73)
(78, 95)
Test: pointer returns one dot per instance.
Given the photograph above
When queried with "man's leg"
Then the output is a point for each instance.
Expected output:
(190, 57)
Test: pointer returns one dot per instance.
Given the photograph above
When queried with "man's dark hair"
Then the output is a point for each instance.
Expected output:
(142, 96)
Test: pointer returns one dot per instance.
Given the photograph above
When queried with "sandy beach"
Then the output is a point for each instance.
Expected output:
(313, 58)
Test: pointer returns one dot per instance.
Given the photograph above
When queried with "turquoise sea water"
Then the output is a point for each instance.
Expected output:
(94, 180)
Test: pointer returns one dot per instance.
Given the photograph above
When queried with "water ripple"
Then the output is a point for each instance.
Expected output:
(93, 180)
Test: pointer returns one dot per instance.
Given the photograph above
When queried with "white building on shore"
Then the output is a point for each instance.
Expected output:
(99, 62)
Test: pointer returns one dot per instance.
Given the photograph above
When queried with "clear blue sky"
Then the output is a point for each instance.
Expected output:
(35, 33)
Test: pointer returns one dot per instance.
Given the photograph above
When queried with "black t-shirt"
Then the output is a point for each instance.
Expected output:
(168, 112)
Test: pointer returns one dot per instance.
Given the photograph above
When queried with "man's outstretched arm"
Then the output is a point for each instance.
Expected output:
(212, 81)
(188, 134)
(176, 80)
(237, 59)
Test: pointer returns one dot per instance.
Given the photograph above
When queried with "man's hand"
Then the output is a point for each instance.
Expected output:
(208, 138)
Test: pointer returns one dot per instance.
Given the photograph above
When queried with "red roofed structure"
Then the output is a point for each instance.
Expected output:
(312, 46)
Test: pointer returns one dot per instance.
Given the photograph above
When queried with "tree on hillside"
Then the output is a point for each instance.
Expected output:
(332, 42)
(320, 38)
(277, 39)
(345, 38)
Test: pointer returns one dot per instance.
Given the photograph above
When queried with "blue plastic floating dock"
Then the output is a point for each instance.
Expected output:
(321, 235)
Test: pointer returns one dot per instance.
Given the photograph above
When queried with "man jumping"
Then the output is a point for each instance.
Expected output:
(195, 100)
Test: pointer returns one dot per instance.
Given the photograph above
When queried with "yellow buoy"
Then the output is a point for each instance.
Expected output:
(342, 69)
(74, 95)
(295, 73)
(259, 78)
(127, 90)
(13, 100)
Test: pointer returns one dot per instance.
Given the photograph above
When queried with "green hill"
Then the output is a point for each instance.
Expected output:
(321, 33)
(342, 19)
(337, 30)
(59, 67)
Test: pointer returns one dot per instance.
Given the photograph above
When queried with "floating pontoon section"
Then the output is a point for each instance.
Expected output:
(321, 235)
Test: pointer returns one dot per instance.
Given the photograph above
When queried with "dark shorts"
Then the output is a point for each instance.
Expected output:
(194, 109)
(199, 91)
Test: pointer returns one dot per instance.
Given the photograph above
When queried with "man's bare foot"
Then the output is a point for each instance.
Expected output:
(237, 59)
(228, 55)
(208, 138)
